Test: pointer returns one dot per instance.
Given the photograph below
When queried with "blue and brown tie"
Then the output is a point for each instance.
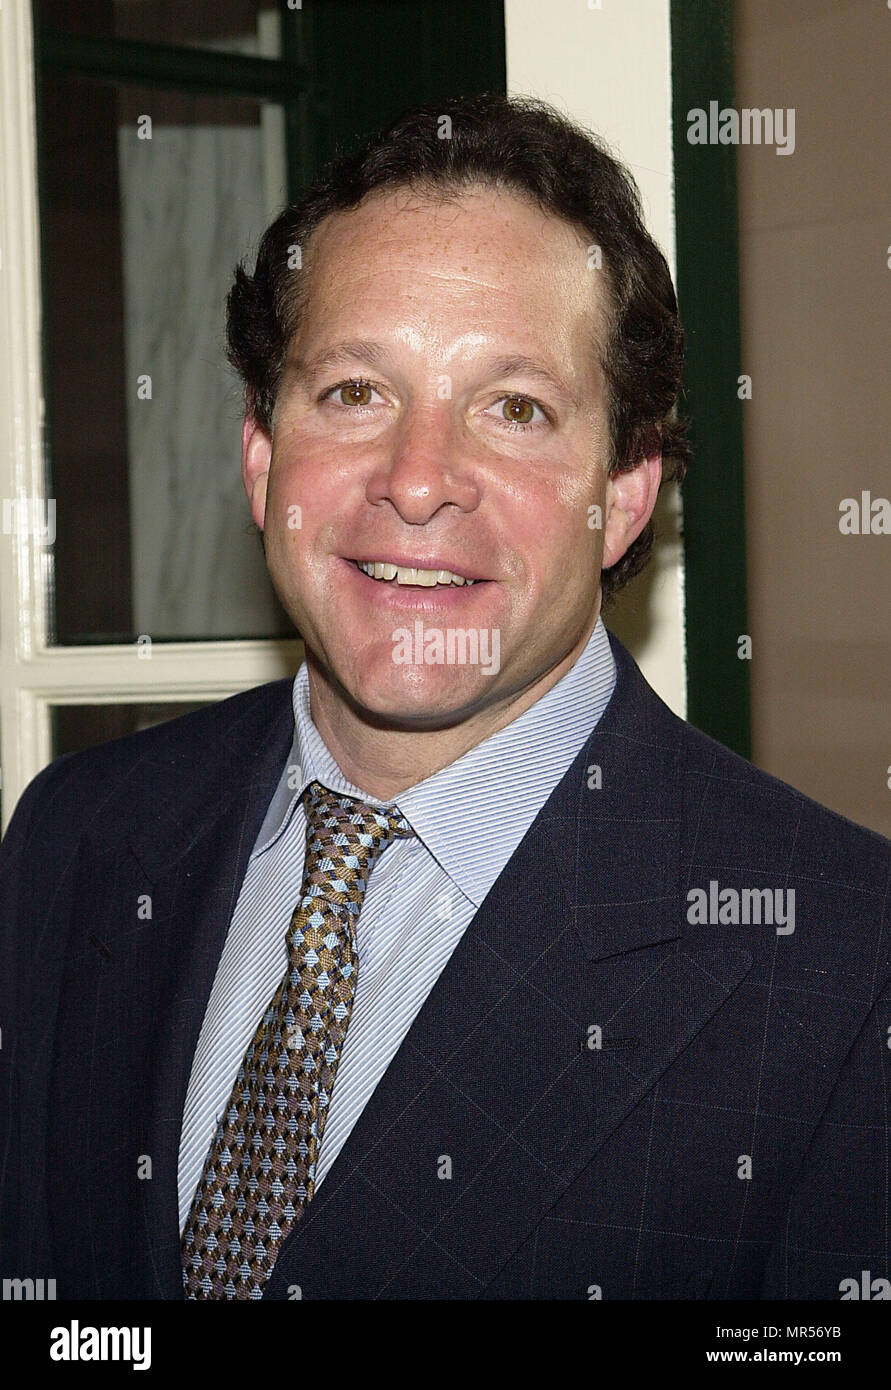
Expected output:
(261, 1166)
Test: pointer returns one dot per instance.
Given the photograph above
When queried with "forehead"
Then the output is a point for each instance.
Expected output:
(481, 255)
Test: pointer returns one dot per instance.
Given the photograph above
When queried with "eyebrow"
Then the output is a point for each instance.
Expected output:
(518, 365)
(373, 354)
(355, 350)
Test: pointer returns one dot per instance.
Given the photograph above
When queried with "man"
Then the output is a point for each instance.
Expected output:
(459, 967)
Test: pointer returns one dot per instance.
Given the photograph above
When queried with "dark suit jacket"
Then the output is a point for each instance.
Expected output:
(576, 1171)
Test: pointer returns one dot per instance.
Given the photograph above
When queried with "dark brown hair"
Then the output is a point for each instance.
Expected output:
(526, 147)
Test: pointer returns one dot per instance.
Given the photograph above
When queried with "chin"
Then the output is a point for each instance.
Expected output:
(428, 701)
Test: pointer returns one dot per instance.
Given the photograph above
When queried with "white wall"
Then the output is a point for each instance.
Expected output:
(608, 66)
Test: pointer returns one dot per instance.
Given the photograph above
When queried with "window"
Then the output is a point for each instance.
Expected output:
(146, 144)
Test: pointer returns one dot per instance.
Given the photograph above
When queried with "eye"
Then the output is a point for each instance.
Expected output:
(519, 412)
(355, 393)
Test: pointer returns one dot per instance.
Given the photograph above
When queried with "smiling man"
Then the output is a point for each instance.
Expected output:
(417, 976)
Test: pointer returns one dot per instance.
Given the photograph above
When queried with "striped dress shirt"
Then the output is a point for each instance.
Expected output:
(468, 818)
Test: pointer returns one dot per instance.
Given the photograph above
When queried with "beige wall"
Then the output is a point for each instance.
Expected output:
(609, 67)
(816, 339)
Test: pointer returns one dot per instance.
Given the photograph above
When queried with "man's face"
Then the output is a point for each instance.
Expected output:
(441, 408)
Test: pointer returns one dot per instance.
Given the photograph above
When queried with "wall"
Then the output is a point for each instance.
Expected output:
(816, 338)
(609, 67)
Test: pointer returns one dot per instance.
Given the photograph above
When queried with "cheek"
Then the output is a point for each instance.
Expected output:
(303, 498)
(559, 530)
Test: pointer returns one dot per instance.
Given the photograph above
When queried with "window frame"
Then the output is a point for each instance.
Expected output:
(707, 242)
(34, 675)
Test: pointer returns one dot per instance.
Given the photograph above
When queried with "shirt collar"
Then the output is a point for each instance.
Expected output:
(472, 814)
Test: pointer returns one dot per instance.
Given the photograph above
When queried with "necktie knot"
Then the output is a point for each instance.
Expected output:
(344, 839)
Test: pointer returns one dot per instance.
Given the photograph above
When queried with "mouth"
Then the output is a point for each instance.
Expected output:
(414, 576)
(416, 589)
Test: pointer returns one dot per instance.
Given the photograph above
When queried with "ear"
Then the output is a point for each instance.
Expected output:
(256, 457)
(630, 499)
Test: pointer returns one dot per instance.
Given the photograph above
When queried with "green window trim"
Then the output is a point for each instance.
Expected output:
(164, 65)
(707, 233)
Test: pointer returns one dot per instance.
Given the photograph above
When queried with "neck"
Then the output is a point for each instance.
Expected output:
(383, 761)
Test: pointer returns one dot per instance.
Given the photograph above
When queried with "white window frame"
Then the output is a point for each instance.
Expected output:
(35, 676)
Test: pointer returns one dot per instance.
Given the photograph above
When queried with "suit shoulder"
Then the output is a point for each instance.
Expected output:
(169, 750)
(737, 811)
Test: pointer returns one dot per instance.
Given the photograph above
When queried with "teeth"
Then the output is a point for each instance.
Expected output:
(407, 574)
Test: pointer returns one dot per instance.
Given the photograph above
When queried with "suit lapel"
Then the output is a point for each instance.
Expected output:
(193, 851)
(503, 1089)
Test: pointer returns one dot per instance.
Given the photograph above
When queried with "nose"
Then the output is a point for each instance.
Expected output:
(426, 467)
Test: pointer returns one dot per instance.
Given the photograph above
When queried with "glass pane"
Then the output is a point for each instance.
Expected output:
(149, 198)
(236, 26)
(81, 726)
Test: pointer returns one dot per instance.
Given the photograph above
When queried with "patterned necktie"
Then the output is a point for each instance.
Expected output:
(260, 1169)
